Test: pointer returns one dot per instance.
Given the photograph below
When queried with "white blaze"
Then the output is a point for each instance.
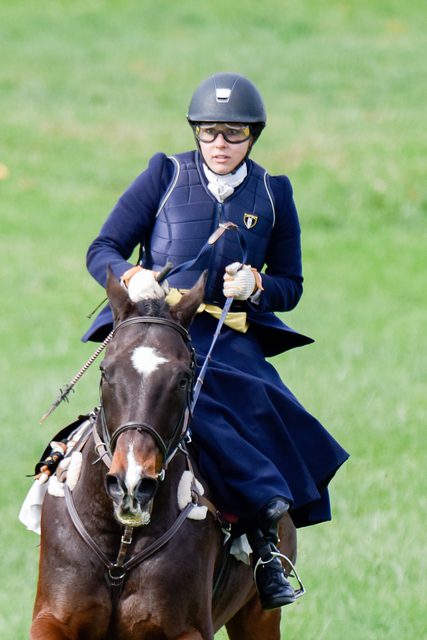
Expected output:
(133, 472)
(146, 360)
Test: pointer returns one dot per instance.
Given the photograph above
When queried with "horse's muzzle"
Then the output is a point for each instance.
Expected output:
(131, 508)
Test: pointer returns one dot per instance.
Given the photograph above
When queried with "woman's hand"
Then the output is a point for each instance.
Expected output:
(241, 281)
(142, 284)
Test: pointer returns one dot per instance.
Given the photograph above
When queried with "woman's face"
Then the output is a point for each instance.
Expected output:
(223, 157)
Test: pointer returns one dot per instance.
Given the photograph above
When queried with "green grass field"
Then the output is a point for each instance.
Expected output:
(89, 90)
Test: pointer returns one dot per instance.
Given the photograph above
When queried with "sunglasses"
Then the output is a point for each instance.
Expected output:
(232, 133)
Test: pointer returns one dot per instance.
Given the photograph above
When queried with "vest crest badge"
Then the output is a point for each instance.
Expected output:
(249, 220)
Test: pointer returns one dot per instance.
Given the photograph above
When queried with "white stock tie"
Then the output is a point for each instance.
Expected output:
(222, 186)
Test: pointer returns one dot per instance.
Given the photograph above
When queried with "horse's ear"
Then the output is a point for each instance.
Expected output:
(118, 297)
(185, 310)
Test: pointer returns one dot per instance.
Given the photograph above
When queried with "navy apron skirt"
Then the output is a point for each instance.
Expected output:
(255, 439)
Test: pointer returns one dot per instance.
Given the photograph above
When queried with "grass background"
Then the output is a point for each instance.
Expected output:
(89, 90)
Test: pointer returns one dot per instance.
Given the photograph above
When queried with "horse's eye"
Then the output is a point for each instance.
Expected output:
(184, 381)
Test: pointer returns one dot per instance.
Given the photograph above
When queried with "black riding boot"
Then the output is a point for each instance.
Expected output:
(273, 587)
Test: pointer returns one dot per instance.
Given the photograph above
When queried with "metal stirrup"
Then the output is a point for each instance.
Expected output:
(293, 574)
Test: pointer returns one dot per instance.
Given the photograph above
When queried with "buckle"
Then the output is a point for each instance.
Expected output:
(115, 575)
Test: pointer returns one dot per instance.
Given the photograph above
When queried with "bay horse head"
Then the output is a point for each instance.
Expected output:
(147, 378)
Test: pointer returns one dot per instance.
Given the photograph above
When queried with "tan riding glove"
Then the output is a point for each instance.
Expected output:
(241, 281)
(142, 284)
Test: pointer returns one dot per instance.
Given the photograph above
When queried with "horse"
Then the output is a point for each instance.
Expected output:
(119, 558)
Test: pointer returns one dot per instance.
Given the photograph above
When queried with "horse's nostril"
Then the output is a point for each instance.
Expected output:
(114, 487)
(145, 490)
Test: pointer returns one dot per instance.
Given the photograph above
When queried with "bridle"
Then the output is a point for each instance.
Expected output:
(169, 447)
(117, 571)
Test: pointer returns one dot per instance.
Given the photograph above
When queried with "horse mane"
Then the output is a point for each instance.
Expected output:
(153, 307)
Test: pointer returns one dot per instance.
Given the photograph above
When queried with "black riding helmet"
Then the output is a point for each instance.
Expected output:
(228, 97)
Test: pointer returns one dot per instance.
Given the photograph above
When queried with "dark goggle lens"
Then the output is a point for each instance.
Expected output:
(231, 133)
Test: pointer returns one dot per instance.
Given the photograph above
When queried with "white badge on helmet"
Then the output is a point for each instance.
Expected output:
(223, 95)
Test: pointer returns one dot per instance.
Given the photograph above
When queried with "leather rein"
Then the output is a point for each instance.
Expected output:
(104, 447)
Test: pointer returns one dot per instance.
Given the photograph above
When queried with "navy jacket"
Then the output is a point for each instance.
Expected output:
(174, 188)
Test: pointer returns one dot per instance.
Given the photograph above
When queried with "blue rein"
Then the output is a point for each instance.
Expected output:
(167, 271)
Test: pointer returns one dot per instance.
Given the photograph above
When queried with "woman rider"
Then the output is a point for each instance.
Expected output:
(260, 450)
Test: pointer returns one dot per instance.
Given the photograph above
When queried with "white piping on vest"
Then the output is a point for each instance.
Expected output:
(176, 177)
(172, 186)
(267, 188)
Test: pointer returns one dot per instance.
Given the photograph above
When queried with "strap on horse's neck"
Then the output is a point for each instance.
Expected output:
(121, 565)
